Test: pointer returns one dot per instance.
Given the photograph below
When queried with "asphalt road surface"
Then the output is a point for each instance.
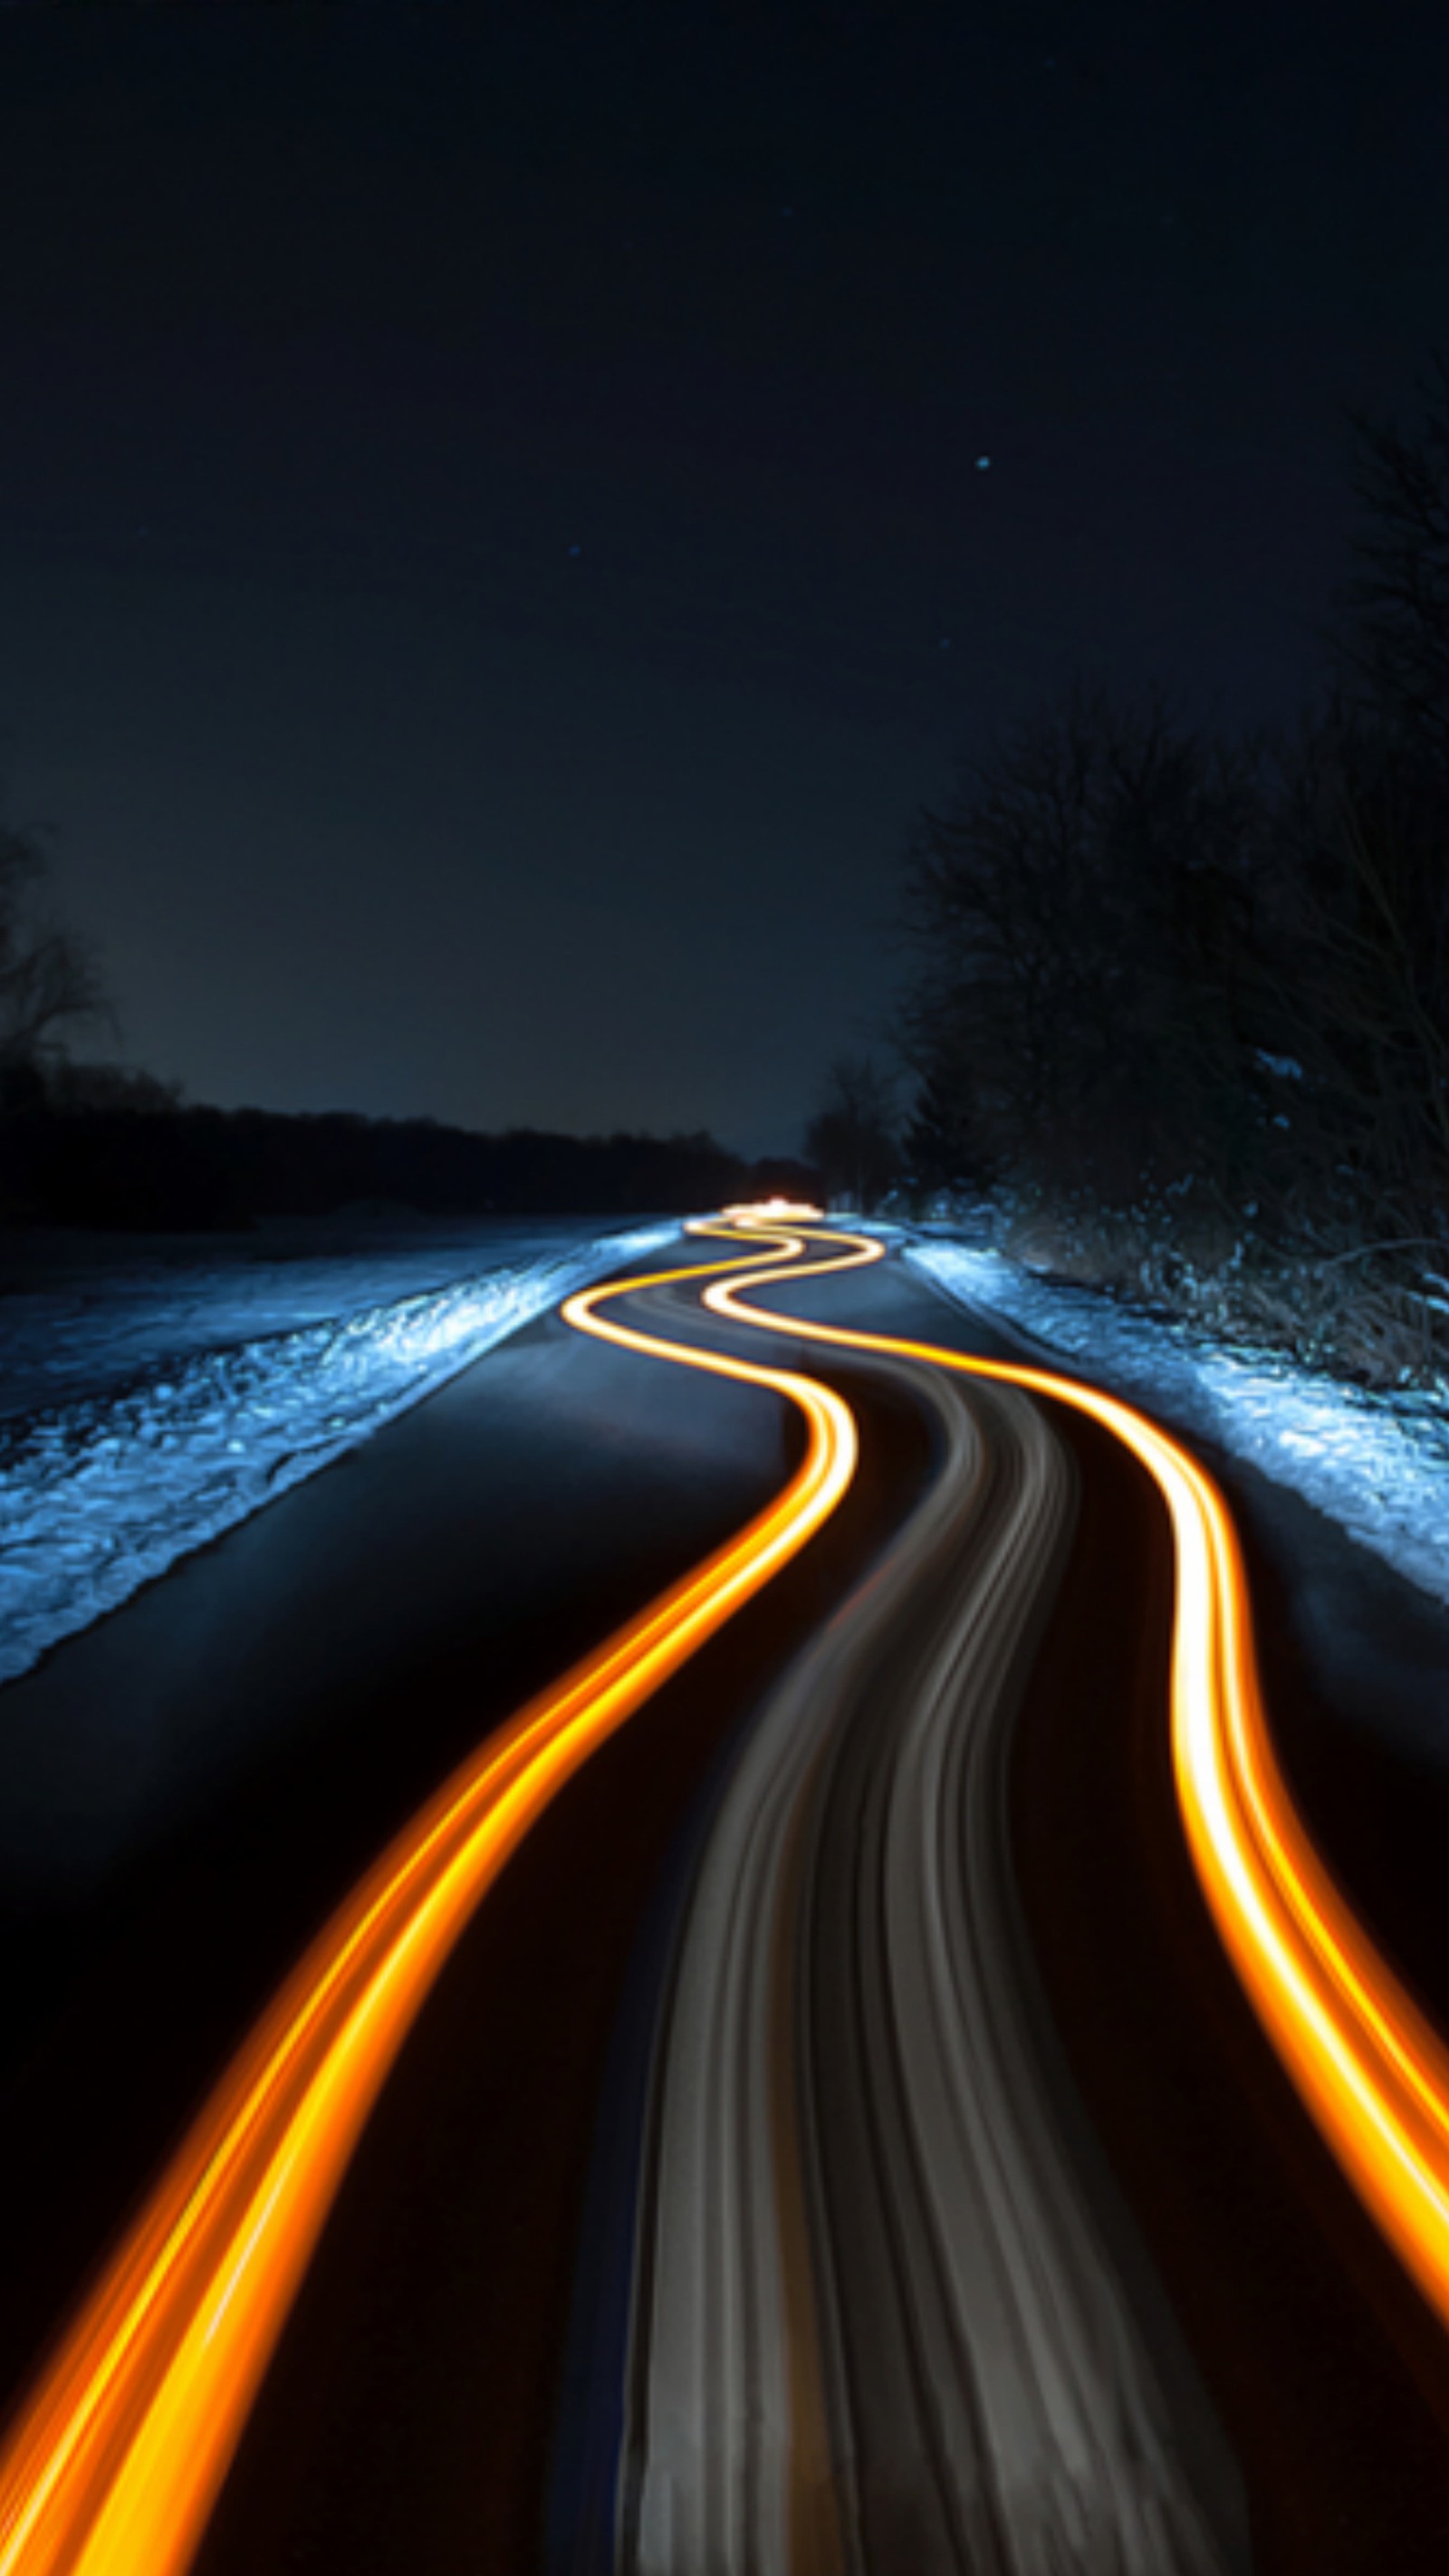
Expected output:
(836, 2138)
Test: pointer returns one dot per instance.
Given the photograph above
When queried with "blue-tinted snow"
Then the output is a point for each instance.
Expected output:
(80, 1313)
(1376, 1463)
(192, 1390)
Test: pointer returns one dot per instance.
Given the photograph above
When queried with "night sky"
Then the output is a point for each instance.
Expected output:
(494, 540)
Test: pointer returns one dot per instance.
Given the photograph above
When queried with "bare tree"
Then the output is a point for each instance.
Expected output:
(1187, 999)
(77, 1089)
(50, 982)
(1395, 638)
(1358, 967)
(1364, 827)
(1076, 923)
(852, 1137)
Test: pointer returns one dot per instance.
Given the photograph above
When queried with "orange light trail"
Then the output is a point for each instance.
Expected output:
(1371, 2070)
(114, 2465)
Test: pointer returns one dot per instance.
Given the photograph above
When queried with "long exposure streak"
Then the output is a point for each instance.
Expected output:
(1372, 2072)
(113, 2467)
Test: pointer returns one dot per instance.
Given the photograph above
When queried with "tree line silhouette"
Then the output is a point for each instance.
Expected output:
(94, 1144)
(167, 1166)
(1177, 1005)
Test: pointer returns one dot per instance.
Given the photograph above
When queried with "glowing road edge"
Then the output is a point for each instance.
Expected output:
(113, 2466)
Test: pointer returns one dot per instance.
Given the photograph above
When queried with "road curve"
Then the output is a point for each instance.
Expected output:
(875, 2322)
(114, 2464)
(864, 1915)
(1369, 2067)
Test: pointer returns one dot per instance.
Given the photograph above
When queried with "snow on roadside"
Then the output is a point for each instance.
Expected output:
(100, 1495)
(1377, 1463)
(86, 1314)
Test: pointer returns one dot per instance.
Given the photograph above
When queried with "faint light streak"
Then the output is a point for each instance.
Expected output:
(1372, 2071)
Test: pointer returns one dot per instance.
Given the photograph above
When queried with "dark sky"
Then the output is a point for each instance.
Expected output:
(492, 546)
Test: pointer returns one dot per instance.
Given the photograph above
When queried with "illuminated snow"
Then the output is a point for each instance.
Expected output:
(104, 1490)
(1378, 1463)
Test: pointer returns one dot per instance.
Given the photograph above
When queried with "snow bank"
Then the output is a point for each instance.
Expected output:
(100, 1494)
(85, 1314)
(1376, 1463)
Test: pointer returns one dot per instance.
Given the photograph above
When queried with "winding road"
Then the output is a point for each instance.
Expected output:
(843, 2279)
